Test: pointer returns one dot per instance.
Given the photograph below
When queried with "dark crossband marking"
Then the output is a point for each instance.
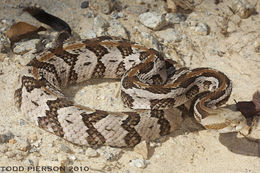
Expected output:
(162, 121)
(51, 118)
(132, 138)
(95, 138)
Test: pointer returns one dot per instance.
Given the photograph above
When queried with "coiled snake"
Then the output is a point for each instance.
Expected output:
(151, 85)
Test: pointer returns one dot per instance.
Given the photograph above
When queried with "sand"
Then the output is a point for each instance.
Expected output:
(191, 148)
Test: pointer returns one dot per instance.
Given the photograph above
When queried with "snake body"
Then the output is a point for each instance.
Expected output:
(150, 84)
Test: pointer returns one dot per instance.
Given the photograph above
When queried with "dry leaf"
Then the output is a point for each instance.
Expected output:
(22, 30)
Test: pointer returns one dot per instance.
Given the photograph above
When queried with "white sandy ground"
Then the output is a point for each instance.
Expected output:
(190, 148)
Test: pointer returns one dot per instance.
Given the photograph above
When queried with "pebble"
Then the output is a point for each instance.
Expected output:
(3, 148)
(169, 35)
(90, 153)
(4, 138)
(257, 45)
(106, 6)
(100, 25)
(22, 122)
(89, 14)
(33, 149)
(73, 157)
(153, 20)
(90, 34)
(109, 153)
(139, 163)
(23, 144)
(65, 148)
(150, 41)
(171, 5)
(142, 149)
(116, 15)
(201, 28)
(173, 18)
(117, 29)
(10, 154)
(243, 8)
(25, 46)
(84, 4)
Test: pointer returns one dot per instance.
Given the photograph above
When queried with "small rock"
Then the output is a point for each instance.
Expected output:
(117, 29)
(89, 15)
(90, 34)
(4, 138)
(23, 145)
(84, 4)
(3, 148)
(91, 153)
(257, 45)
(22, 122)
(33, 149)
(31, 162)
(100, 25)
(65, 148)
(172, 18)
(153, 20)
(201, 28)
(25, 46)
(172, 6)
(169, 35)
(150, 41)
(139, 163)
(106, 6)
(142, 148)
(110, 154)
(243, 8)
(116, 15)
(73, 157)
(155, 144)
(10, 154)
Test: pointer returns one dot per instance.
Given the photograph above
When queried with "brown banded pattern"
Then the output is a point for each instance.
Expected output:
(149, 83)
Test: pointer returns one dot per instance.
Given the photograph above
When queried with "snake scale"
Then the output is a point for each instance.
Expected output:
(150, 84)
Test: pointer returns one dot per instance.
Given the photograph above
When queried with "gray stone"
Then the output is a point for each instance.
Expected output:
(100, 25)
(65, 148)
(110, 154)
(22, 122)
(153, 20)
(91, 34)
(172, 18)
(84, 4)
(22, 144)
(169, 35)
(243, 8)
(106, 6)
(150, 41)
(90, 153)
(116, 15)
(201, 28)
(4, 138)
(25, 46)
(117, 29)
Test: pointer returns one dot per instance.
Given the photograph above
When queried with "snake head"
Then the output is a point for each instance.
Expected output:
(225, 120)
